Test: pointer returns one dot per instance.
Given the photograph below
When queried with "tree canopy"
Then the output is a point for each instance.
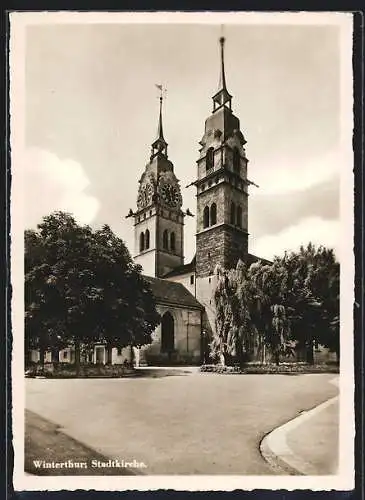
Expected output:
(82, 286)
(293, 300)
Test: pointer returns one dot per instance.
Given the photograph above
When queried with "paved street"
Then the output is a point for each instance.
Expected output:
(183, 424)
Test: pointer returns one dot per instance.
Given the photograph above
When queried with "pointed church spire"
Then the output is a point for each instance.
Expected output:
(222, 97)
(159, 146)
(222, 77)
(160, 129)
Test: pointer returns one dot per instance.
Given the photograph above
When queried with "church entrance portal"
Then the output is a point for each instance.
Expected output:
(167, 334)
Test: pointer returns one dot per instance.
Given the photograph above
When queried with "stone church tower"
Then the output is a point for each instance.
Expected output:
(185, 292)
(159, 220)
(222, 236)
(222, 198)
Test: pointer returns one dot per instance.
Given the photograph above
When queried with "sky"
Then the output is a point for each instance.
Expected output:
(91, 110)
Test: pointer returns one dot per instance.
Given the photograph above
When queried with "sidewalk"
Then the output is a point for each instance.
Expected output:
(45, 440)
(306, 445)
(315, 441)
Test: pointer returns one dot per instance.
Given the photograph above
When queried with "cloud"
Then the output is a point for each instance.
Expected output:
(51, 183)
(283, 177)
(311, 229)
(271, 213)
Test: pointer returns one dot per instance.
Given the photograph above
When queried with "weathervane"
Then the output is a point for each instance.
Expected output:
(163, 91)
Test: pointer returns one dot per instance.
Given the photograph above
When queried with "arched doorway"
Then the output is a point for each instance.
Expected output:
(167, 333)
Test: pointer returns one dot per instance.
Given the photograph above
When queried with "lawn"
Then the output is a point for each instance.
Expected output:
(184, 424)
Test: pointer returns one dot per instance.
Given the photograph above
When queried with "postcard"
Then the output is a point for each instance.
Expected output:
(182, 250)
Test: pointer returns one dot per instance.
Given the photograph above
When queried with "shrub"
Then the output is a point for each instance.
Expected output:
(284, 368)
(68, 370)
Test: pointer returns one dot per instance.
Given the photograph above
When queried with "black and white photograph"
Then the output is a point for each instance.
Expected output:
(182, 250)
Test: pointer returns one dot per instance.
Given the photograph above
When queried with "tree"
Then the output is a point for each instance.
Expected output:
(311, 294)
(81, 286)
(293, 299)
(244, 313)
(267, 310)
(231, 341)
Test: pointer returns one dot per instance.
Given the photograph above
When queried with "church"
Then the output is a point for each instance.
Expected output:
(184, 292)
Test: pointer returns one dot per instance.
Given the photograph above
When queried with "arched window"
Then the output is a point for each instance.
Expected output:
(239, 216)
(206, 217)
(167, 333)
(165, 240)
(236, 160)
(172, 242)
(209, 161)
(141, 242)
(213, 214)
(233, 213)
(147, 239)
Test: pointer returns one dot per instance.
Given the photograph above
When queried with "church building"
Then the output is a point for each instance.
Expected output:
(184, 292)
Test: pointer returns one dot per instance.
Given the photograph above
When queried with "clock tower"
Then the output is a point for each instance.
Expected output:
(159, 219)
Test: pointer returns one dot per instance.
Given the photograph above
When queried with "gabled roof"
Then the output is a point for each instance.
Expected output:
(184, 269)
(251, 259)
(190, 268)
(172, 293)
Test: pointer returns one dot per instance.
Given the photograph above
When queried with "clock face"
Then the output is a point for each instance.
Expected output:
(170, 195)
(145, 196)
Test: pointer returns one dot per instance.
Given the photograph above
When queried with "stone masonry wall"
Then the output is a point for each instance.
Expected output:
(222, 245)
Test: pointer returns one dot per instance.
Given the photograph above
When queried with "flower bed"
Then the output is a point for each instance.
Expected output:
(283, 368)
(68, 370)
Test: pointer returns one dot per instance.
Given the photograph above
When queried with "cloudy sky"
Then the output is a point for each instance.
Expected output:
(91, 110)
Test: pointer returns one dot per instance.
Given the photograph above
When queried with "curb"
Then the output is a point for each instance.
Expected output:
(275, 450)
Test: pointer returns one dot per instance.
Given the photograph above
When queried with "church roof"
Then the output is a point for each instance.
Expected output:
(184, 269)
(172, 293)
(190, 268)
(251, 259)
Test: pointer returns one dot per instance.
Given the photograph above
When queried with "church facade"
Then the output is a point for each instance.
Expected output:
(184, 292)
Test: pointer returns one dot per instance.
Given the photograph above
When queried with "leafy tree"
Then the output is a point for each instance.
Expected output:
(311, 295)
(232, 339)
(279, 331)
(81, 286)
(244, 313)
(266, 310)
(293, 299)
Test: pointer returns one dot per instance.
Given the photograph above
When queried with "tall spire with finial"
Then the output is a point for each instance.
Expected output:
(159, 146)
(222, 76)
(160, 129)
(222, 97)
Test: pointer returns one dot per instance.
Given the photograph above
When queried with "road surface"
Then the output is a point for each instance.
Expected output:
(184, 424)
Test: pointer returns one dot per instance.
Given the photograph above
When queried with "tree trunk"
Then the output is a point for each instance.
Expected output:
(263, 350)
(301, 351)
(239, 353)
(42, 354)
(277, 357)
(310, 353)
(222, 359)
(77, 357)
(131, 355)
(138, 356)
